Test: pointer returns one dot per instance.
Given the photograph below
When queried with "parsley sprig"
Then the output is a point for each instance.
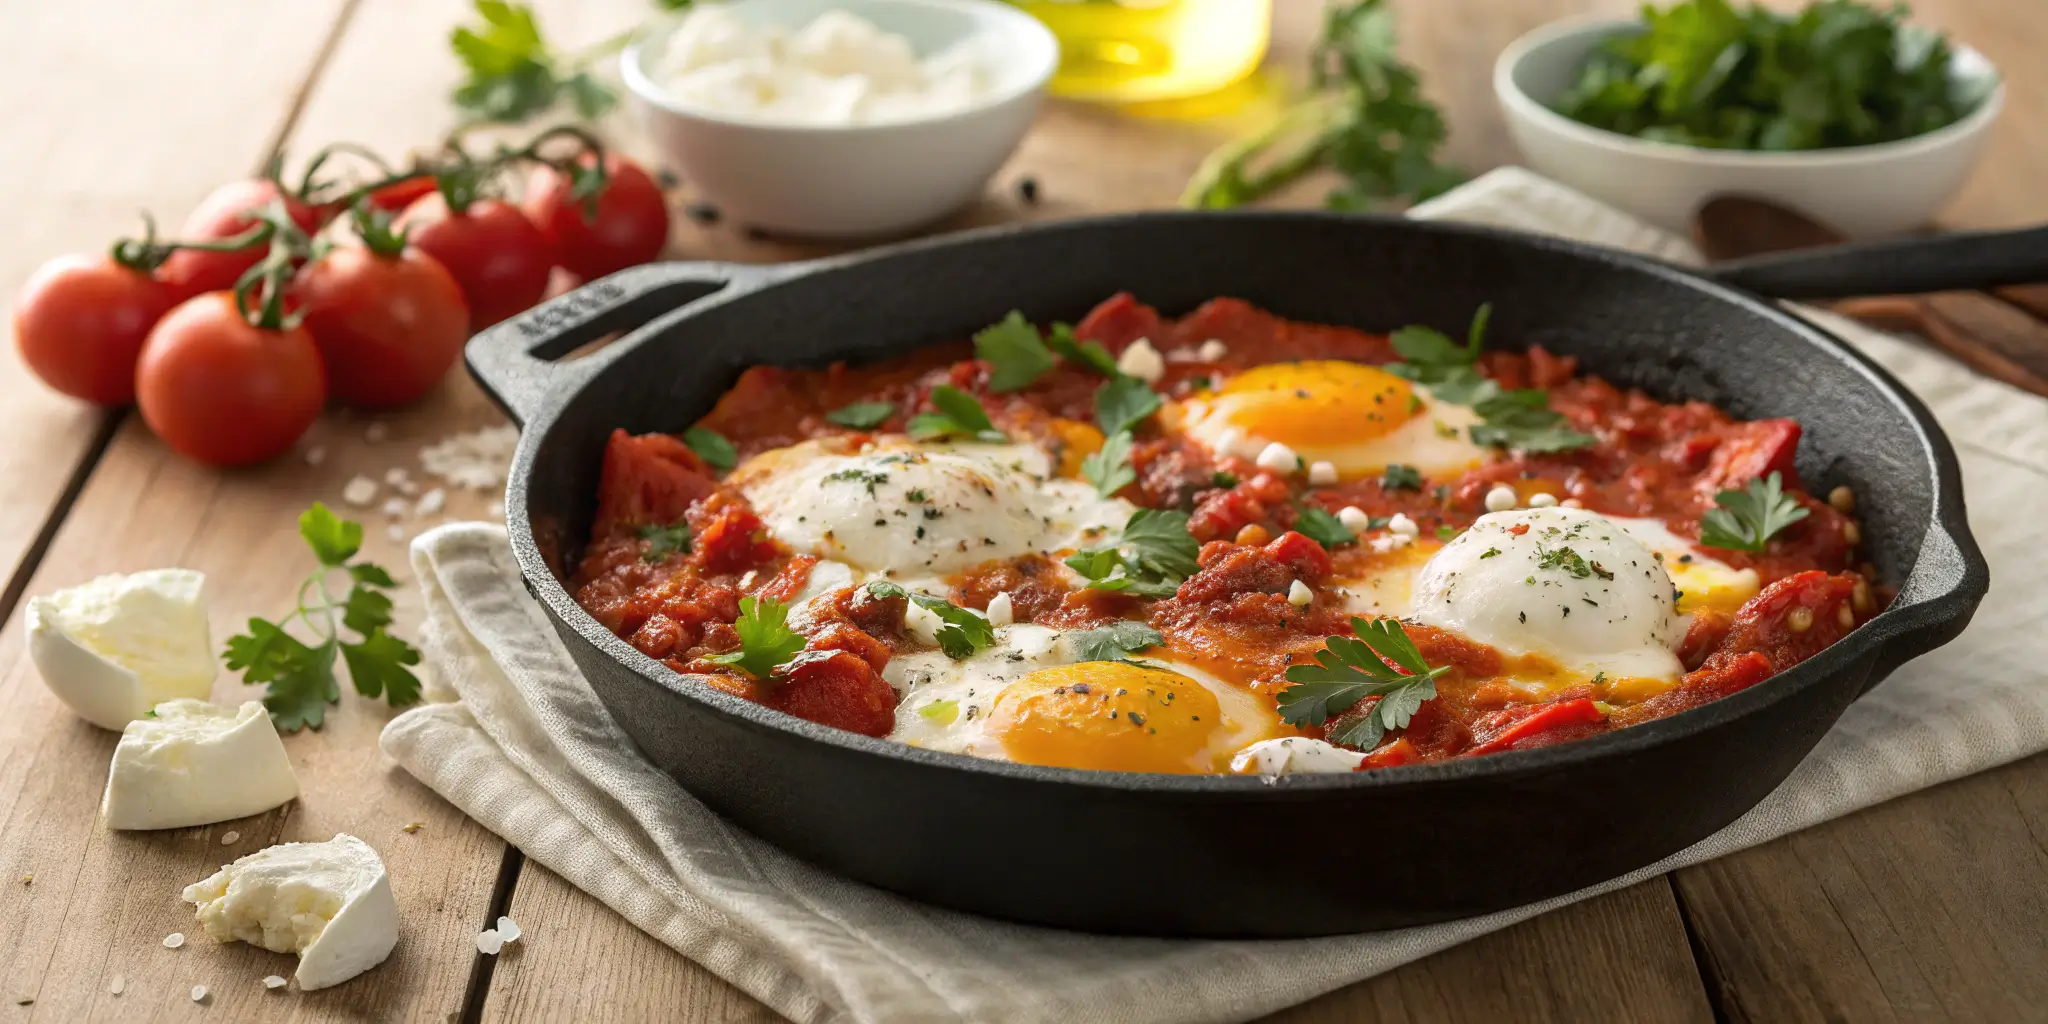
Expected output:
(663, 541)
(1014, 352)
(1089, 354)
(1109, 467)
(964, 631)
(1114, 641)
(1318, 525)
(298, 676)
(1747, 519)
(1350, 669)
(862, 415)
(1521, 419)
(712, 447)
(957, 415)
(766, 641)
(1121, 403)
(514, 75)
(1153, 556)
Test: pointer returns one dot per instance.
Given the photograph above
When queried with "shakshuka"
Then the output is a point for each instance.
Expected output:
(1227, 542)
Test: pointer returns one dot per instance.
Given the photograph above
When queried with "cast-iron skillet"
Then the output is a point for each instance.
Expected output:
(1228, 856)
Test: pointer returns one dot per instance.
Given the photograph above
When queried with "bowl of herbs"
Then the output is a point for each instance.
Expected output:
(1841, 110)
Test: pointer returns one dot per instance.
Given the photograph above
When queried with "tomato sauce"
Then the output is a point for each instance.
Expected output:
(1650, 459)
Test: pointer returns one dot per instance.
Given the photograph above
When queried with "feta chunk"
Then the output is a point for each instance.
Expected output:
(194, 764)
(1403, 525)
(1322, 474)
(1501, 498)
(1294, 755)
(1299, 595)
(329, 902)
(1000, 610)
(1279, 458)
(1212, 351)
(1142, 361)
(119, 645)
(1354, 519)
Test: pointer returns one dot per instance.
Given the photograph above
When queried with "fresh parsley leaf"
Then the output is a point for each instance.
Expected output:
(1401, 478)
(1014, 352)
(377, 667)
(365, 610)
(371, 575)
(1320, 526)
(1747, 519)
(1114, 641)
(1090, 354)
(964, 631)
(1121, 403)
(1152, 557)
(299, 680)
(513, 75)
(1223, 479)
(1109, 467)
(1523, 420)
(766, 641)
(1378, 660)
(1432, 358)
(712, 447)
(862, 415)
(663, 541)
(334, 540)
(958, 415)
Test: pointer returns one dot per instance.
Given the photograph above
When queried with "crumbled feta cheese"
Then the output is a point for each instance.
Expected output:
(1298, 594)
(195, 763)
(489, 942)
(1279, 458)
(117, 985)
(431, 503)
(359, 491)
(396, 506)
(1322, 474)
(508, 929)
(1390, 542)
(1227, 441)
(116, 647)
(396, 477)
(198, 993)
(395, 531)
(1542, 500)
(1142, 361)
(174, 940)
(273, 981)
(1572, 503)
(329, 902)
(1403, 525)
(1354, 519)
(1000, 612)
(1212, 350)
(1294, 755)
(1501, 498)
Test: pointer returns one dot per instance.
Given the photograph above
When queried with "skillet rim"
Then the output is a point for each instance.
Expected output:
(1947, 601)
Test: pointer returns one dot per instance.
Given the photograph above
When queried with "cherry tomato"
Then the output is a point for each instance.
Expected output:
(388, 327)
(224, 214)
(496, 254)
(223, 391)
(80, 323)
(628, 228)
(395, 198)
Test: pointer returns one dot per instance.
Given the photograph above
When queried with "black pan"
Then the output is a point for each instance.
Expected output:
(1228, 856)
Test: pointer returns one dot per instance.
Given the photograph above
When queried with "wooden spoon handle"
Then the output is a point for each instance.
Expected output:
(1993, 337)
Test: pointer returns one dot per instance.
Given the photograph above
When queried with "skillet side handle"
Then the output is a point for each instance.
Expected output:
(517, 362)
(1935, 610)
(1964, 260)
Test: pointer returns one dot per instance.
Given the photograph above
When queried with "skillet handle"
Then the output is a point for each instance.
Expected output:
(518, 361)
(1966, 260)
(1935, 606)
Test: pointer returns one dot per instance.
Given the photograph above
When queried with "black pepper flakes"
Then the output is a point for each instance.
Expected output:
(1027, 190)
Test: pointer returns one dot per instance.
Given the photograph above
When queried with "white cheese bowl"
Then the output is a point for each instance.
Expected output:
(862, 180)
(1860, 190)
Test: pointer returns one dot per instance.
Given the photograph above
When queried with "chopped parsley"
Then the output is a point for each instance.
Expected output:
(1322, 527)
(1524, 421)
(1401, 478)
(862, 415)
(1223, 479)
(1570, 562)
(958, 415)
(1090, 354)
(663, 541)
(1015, 354)
(1114, 641)
(1152, 557)
(1521, 419)
(1352, 668)
(1489, 553)
(712, 447)
(1109, 467)
(963, 633)
(858, 475)
(1121, 403)
(766, 641)
(1747, 519)
(1446, 531)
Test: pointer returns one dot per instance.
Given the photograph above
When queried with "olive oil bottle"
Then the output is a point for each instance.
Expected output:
(1137, 50)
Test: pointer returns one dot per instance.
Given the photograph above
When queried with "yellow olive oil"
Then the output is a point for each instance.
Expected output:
(1134, 50)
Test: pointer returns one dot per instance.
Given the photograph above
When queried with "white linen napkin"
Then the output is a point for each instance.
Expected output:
(526, 749)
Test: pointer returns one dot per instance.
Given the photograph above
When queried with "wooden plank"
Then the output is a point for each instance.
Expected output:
(93, 137)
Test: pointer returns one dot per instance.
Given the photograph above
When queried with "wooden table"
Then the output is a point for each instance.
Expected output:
(1935, 905)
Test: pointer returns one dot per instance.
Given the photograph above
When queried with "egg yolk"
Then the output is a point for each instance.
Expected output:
(1309, 404)
(1109, 716)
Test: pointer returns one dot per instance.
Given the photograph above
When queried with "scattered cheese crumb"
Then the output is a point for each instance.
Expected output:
(1501, 498)
(1227, 441)
(1403, 525)
(359, 491)
(316, 455)
(476, 460)
(1212, 350)
(489, 942)
(376, 432)
(198, 993)
(431, 502)
(396, 477)
(174, 940)
(1299, 595)
(1000, 610)
(1322, 474)
(396, 506)
(1354, 519)
(1391, 542)
(117, 984)
(414, 827)
(395, 531)
(1542, 500)
(228, 838)
(1279, 458)
(1142, 361)
(274, 981)
(508, 929)
(1572, 503)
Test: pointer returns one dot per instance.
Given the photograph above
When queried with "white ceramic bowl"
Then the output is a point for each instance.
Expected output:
(860, 180)
(1862, 190)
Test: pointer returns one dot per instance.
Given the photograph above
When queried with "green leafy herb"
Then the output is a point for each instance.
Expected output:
(1378, 660)
(299, 677)
(1109, 467)
(663, 541)
(1222, 478)
(964, 631)
(1837, 73)
(1570, 562)
(1090, 354)
(1114, 641)
(1747, 519)
(862, 415)
(958, 415)
(766, 641)
(1322, 527)
(514, 76)
(1524, 421)
(1368, 122)
(712, 447)
(1015, 354)
(1152, 557)
(1121, 403)
(941, 711)
(1446, 531)
(860, 476)
(1401, 478)
(1432, 358)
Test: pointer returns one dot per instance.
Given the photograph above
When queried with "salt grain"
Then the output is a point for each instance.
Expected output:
(509, 929)
(395, 507)
(489, 942)
(396, 477)
(274, 981)
(174, 940)
(119, 983)
(316, 455)
(396, 531)
(431, 502)
(476, 460)
(198, 993)
(359, 491)
(228, 838)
